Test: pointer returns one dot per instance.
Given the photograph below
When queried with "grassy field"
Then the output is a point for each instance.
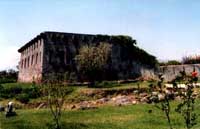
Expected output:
(103, 85)
(14, 90)
(109, 117)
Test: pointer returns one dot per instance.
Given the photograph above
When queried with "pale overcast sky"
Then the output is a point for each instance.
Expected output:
(168, 29)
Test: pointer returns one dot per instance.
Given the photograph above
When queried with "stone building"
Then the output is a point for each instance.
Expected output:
(54, 52)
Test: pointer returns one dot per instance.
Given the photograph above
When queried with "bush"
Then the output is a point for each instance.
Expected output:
(1, 91)
(8, 76)
(15, 89)
(10, 92)
(170, 62)
(23, 98)
(97, 59)
(7, 80)
(32, 92)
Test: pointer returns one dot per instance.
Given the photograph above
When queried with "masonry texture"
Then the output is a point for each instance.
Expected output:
(171, 71)
(54, 52)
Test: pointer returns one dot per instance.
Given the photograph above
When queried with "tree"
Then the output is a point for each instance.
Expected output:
(164, 104)
(187, 107)
(55, 91)
(92, 60)
(8, 76)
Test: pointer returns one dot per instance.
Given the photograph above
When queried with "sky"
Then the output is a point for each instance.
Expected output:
(167, 29)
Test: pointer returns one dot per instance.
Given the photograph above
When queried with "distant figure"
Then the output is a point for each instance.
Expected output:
(10, 111)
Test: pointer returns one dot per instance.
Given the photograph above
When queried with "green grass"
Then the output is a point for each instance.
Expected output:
(76, 96)
(102, 85)
(116, 85)
(109, 117)
(23, 85)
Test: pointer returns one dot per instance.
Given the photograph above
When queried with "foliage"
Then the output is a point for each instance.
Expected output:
(56, 91)
(92, 60)
(8, 76)
(128, 53)
(170, 62)
(180, 78)
(133, 52)
(144, 58)
(14, 90)
(23, 98)
(123, 39)
(164, 104)
(191, 59)
(187, 107)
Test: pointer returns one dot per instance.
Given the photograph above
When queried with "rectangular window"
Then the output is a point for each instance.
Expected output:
(32, 59)
(25, 63)
(28, 61)
(36, 58)
(22, 63)
(40, 57)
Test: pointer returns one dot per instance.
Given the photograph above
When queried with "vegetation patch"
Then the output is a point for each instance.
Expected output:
(129, 117)
(20, 91)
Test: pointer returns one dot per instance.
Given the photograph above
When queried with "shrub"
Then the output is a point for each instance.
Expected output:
(15, 89)
(32, 91)
(170, 62)
(1, 91)
(55, 91)
(10, 92)
(164, 105)
(97, 58)
(23, 98)
(187, 107)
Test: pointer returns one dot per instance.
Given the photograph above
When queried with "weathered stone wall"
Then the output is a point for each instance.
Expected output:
(61, 49)
(171, 71)
(30, 65)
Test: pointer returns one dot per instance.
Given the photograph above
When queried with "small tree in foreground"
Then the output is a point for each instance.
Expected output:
(92, 60)
(187, 107)
(55, 91)
(164, 104)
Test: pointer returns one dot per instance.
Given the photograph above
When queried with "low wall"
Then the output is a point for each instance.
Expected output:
(171, 71)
